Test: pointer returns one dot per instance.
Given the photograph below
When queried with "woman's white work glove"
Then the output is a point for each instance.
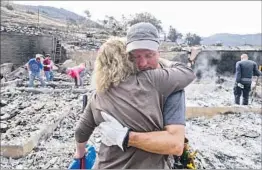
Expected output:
(113, 133)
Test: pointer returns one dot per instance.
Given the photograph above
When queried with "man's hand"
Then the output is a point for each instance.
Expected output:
(113, 133)
(170, 141)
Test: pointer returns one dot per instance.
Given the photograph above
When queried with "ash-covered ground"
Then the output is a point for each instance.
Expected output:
(224, 141)
(54, 153)
(219, 92)
(231, 141)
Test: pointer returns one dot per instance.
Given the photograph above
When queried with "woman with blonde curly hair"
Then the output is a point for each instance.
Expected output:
(135, 99)
(112, 65)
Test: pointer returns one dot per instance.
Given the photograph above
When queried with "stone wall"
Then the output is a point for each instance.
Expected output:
(19, 48)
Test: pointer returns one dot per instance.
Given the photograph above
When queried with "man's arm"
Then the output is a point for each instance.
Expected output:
(27, 65)
(238, 72)
(256, 70)
(168, 80)
(28, 68)
(46, 65)
(160, 142)
(175, 106)
(170, 141)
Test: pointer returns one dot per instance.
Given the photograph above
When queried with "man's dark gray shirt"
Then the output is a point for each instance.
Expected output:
(174, 107)
(245, 70)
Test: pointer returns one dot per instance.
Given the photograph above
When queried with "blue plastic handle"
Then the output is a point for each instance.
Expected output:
(90, 159)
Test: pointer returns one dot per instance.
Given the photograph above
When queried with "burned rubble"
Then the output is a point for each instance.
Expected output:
(26, 111)
(232, 142)
(82, 40)
(226, 141)
(218, 92)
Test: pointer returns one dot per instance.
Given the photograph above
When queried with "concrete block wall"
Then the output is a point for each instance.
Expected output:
(213, 63)
(87, 57)
(223, 62)
(175, 56)
(19, 48)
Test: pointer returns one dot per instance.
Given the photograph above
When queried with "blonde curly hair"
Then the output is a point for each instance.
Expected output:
(112, 64)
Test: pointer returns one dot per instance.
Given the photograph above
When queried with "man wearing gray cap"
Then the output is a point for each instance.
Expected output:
(143, 44)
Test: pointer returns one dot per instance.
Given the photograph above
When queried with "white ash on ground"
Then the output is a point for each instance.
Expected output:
(207, 92)
(27, 113)
(56, 152)
(231, 141)
(224, 141)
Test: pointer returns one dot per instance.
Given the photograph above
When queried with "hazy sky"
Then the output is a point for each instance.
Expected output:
(201, 17)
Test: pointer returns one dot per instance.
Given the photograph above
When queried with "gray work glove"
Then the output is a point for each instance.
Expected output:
(113, 133)
(240, 85)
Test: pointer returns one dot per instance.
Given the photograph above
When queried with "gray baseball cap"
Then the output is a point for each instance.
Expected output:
(142, 35)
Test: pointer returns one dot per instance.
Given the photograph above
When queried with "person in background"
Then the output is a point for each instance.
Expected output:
(245, 69)
(77, 73)
(34, 67)
(48, 68)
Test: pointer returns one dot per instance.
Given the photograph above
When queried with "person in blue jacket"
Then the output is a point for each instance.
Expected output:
(34, 67)
(245, 69)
